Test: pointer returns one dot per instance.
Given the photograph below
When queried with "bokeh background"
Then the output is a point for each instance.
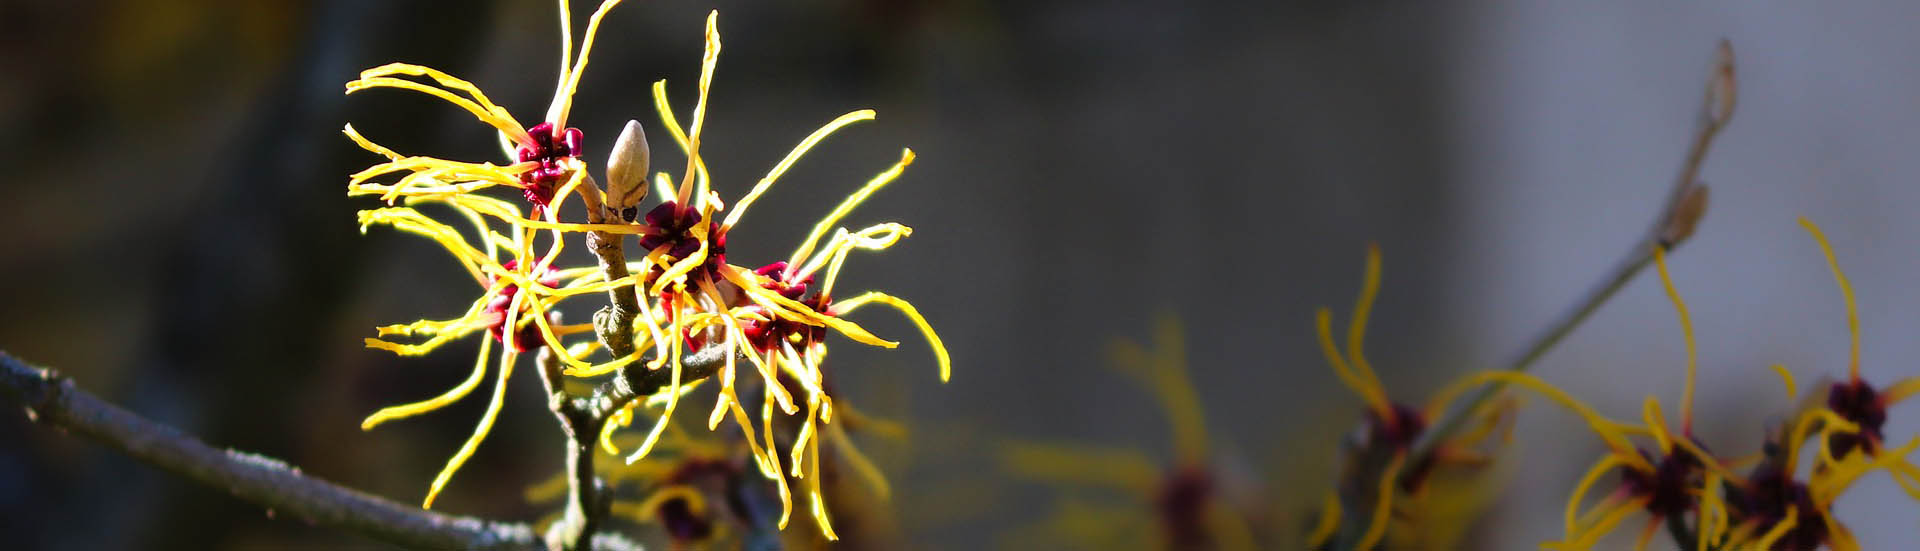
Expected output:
(178, 239)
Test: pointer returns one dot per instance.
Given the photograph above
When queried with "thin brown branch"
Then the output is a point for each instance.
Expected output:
(614, 323)
(1685, 207)
(54, 400)
(1682, 212)
(581, 420)
(635, 382)
(585, 508)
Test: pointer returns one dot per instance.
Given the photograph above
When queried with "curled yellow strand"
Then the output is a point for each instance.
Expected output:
(1899, 391)
(1612, 432)
(1786, 379)
(1686, 328)
(1587, 482)
(913, 314)
(1383, 504)
(450, 396)
(1846, 292)
(1329, 521)
(1779, 530)
(481, 107)
(479, 431)
(1375, 397)
(1362, 308)
(740, 207)
(563, 97)
(847, 205)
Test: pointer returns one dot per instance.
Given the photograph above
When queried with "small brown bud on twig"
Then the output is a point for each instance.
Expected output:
(627, 169)
(1721, 90)
(1684, 217)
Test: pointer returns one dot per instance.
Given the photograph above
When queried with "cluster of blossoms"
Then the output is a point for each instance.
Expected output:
(1760, 501)
(688, 296)
(1765, 500)
(1420, 479)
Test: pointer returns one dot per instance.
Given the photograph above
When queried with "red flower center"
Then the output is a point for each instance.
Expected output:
(524, 336)
(1666, 487)
(671, 226)
(1858, 402)
(551, 150)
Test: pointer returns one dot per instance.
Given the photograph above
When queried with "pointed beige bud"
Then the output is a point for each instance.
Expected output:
(1722, 90)
(627, 172)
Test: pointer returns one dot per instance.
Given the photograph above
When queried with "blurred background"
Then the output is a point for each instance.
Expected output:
(180, 242)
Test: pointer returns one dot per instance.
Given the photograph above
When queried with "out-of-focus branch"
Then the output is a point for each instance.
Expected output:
(54, 400)
(581, 420)
(1685, 207)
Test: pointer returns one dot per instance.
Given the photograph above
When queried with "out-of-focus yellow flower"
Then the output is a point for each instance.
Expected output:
(1390, 431)
(1855, 399)
(1773, 508)
(1665, 481)
(686, 488)
(1179, 504)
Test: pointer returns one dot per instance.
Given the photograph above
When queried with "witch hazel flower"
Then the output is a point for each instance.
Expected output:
(518, 291)
(1667, 480)
(775, 316)
(1854, 399)
(1179, 503)
(1385, 443)
(511, 309)
(542, 157)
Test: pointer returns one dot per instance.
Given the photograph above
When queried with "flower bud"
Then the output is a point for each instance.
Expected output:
(1722, 91)
(627, 172)
(1686, 215)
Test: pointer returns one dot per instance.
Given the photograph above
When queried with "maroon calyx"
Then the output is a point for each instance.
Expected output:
(1400, 431)
(1858, 402)
(677, 516)
(528, 334)
(767, 335)
(550, 149)
(682, 525)
(672, 226)
(1666, 488)
(1399, 434)
(1182, 505)
(1770, 490)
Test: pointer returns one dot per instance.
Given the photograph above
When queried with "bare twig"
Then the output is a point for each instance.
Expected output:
(614, 323)
(53, 399)
(585, 507)
(1685, 207)
(631, 384)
